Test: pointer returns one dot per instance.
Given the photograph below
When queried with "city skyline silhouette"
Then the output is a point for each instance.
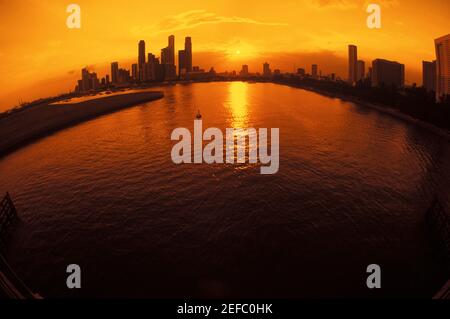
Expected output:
(226, 37)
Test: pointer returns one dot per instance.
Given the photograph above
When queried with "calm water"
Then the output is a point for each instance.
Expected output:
(352, 190)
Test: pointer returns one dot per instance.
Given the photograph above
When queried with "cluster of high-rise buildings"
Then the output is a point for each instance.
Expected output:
(357, 68)
(382, 72)
(147, 69)
(435, 74)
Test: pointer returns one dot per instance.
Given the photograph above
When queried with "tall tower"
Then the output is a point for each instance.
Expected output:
(182, 63)
(314, 70)
(165, 56)
(114, 72)
(134, 71)
(266, 69)
(360, 70)
(141, 58)
(429, 75)
(171, 50)
(352, 63)
(442, 46)
(188, 52)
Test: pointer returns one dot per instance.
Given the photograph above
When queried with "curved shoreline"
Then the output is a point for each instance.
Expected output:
(381, 108)
(22, 128)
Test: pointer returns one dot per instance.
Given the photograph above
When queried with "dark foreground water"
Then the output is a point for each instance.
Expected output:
(352, 190)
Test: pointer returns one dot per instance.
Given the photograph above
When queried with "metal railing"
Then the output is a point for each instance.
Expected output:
(8, 214)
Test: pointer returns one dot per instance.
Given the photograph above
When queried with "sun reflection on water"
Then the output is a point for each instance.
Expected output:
(237, 103)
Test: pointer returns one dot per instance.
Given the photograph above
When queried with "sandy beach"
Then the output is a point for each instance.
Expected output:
(26, 126)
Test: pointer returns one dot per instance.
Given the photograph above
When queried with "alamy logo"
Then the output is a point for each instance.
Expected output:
(74, 19)
(74, 279)
(374, 19)
(214, 150)
(374, 279)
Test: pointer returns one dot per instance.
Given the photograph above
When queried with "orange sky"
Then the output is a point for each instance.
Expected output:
(41, 56)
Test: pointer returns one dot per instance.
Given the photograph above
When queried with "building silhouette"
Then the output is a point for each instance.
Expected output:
(360, 70)
(388, 73)
(134, 72)
(188, 49)
(301, 71)
(152, 67)
(429, 75)
(168, 53)
(182, 70)
(165, 55)
(141, 60)
(185, 58)
(352, 64)
(88, 82)
(266, 69)
(244, 70)
(168, 59)
(148, 68)
(369, 73)
(314, 71)
(171, 49)
(85, 80)
(114, 72)
(123, 76)
(442, 46)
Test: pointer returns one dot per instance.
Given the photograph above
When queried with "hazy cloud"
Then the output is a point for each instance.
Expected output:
(383, 3)
(192, 19)
(340, 4)
(351, 4)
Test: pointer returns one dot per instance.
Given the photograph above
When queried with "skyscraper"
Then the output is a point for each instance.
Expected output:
(244, 70)
(182, 68)
(89, 81)
(314, 70)
(360, 70)
(134, 71)
(185, 58)
(352, 63)
(301, 71)
(168, 60)
(266, 69)
(429, 75)
(188, 49)
(152, 66)
(171, 50)
(141, 60)
(114, 72)
(165, 56)
(388, 73)
(442, 46)
(85, 80)
(94, 83)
